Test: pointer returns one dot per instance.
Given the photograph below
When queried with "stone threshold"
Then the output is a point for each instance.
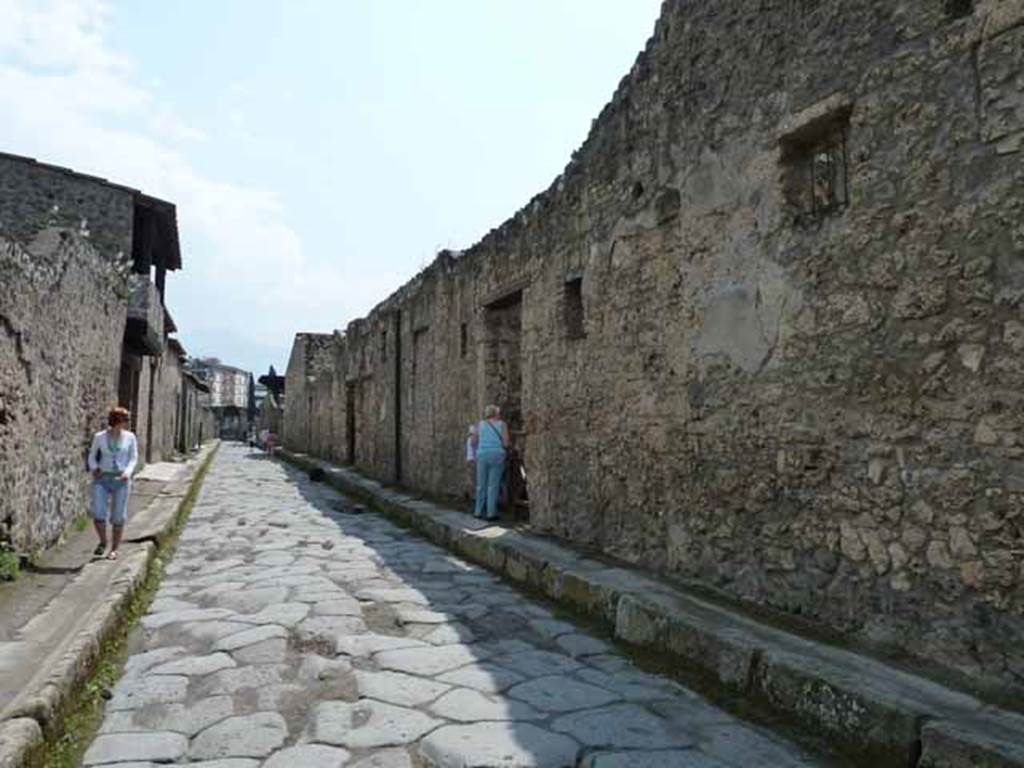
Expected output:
(864, 708)
(65, 642)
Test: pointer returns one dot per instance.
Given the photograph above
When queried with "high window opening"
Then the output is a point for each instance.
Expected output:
(572, 308)
(816, 175)
(463, 341)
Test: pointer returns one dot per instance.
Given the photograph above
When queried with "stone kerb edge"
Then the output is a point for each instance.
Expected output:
(46, 707)
(734, 661)
(20, 739)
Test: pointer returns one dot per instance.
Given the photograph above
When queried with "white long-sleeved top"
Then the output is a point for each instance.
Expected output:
(118, 462)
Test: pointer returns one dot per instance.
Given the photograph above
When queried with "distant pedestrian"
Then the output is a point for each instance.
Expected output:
(112, 459)
(491, 443)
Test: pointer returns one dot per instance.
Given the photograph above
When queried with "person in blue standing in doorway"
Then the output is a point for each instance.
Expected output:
(491, 442)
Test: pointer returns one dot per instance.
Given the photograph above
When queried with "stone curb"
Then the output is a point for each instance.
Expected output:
(39, 710)
(868, 710)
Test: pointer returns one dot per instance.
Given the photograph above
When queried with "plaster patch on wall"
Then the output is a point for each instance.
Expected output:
(745, 320)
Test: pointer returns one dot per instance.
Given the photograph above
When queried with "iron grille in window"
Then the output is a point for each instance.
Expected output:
(817, 179)
(827, 174)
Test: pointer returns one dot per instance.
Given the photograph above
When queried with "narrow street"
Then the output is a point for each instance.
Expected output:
(294, 629)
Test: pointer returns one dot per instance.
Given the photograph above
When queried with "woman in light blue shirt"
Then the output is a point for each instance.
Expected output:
(491, 443)
(112, 459)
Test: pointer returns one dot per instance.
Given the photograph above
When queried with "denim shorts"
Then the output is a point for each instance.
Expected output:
(110, 495)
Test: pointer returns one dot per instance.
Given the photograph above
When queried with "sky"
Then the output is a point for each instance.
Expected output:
(320, 152)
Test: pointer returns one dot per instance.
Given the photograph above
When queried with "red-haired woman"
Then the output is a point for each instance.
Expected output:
(112, 459)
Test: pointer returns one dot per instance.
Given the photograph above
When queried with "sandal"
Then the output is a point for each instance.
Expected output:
(112, 555)
(100, 549)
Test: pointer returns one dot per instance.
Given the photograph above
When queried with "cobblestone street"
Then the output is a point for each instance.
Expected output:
(294, 629)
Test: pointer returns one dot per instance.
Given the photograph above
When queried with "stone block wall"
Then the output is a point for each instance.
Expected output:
(763, 334)
(58, 376)
(65, 261)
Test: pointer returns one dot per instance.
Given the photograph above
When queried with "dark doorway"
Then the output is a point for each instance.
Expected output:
(350, 422)
(503, 386)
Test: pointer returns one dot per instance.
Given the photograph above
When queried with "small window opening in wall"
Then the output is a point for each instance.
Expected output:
(573, 308)
(384, 344)
(817, 178)
(957, 9)
(463, 340)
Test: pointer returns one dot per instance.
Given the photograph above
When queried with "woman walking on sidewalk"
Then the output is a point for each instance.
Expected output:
(112, 459)
(491, 442)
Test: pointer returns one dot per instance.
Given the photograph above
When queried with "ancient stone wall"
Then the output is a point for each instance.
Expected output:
(65, 266)
(58, 375)
(763, 334)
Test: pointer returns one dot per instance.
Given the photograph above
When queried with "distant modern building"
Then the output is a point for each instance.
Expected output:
(232, 397)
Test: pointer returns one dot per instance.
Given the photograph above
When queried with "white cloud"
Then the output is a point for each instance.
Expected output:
(68, 99)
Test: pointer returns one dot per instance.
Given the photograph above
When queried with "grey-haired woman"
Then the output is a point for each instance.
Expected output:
(491, 442)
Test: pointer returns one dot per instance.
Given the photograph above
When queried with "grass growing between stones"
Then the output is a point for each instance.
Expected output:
(84, 713)
(10, 563)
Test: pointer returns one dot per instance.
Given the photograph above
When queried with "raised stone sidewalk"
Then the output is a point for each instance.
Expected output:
(53, 654)
(877, 714)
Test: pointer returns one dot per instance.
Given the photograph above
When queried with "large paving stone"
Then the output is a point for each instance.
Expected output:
(557, 693)
(249, 736)
(158, 620)
(417, 615)
(164, 604)
(271, 651)
(181, 718)
(397, 688)
(469, 706)
(623, 726)
(195, 665)
(157, 746)
(143, 662)
(450, 634)
(188, 719)
(393, 596)
(285, 614)
(241, 678)
(252, 600)
(132, 693)
(213, 630)
(328, 629)
(632, 685)
(341, 607)
(385, 758)
(497, 745)
(538, 663)
(250, 637)
(367, 724)
(431, 661)
(309, 756)
(485, 677)
(552, 628)
(582, 645)
(740, 743)
(366, 645)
